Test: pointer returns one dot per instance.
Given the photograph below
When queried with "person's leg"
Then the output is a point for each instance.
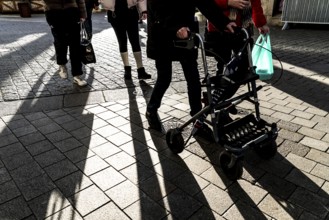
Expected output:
(120, 28)
(133, 35)
(60, 44)
(164, 71)
(88, 21)
(190, 69)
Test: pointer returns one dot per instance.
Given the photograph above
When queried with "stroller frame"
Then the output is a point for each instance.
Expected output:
(236, 136)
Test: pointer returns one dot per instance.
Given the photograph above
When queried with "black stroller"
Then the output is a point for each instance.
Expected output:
(236, 136)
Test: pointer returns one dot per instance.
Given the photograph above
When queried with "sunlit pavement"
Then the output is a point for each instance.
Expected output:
(86, 153)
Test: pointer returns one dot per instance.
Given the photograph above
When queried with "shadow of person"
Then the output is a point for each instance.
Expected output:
(46, 159)
(182, 195)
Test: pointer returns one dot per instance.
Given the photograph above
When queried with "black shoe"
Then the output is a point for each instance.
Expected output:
(142, 74)
(204, 132)
(153, 120)
(127, 72)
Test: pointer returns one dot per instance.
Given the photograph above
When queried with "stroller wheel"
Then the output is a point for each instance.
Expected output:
(266, 149)
(175, 141)
(232, 169)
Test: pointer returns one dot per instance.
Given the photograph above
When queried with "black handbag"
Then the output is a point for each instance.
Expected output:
(87, 50)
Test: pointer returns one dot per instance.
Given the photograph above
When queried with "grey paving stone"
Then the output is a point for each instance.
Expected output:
(8, 139)
(209, 197)
(156, 187)
(50, 157)
(60, 169)
(72, 125)
(274, 207)
(88, 200)
(35, 187)
(292, 147)
(17, 160)
(54, 199)
(311, 202)
(4, 175)
(119, 138)
(42, 122)
(146, 208)
(277, 186)
(137, 172)
(49, 128)
(11, 150)
(241, 210)
(58, 136)
(34, 116)
(247, 192)
(120, 160)
(67, 144)
(73, 183)
(79, 154)
(305, 180)
(150, 157)
(18, 123)
(321, 171)
(107, 178)
(31, 138)
(108, 211)
(66, 213)
(318, 156)
(28, 129)
(314, 143)
(92, 165)
(26, 172)
(39, 147)
(169, 169)
(93, 141)
(124, 194)
(8, 191)
(107, 131)
(15, 209)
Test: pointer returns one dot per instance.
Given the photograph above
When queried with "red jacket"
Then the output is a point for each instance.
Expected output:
(257, 13)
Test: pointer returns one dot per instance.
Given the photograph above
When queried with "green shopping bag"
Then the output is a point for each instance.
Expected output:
(262, 57)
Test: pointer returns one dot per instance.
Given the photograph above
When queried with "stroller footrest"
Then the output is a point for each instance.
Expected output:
(242, 131)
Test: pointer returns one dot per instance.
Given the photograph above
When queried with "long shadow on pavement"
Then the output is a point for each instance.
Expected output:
(45, 161)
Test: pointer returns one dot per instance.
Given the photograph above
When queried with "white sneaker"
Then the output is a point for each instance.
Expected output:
(79, 81)
(62, 71)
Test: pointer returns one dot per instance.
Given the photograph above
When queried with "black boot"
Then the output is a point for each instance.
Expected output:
(127, 72)
(142, 74)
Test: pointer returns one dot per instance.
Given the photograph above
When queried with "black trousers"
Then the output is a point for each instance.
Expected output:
(88, 21)
(164, 71)
(65, 29)
(125, 25)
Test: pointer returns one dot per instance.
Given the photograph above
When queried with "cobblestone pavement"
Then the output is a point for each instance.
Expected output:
(72, 153)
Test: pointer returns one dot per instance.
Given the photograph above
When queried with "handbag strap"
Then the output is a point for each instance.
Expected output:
(83, 32)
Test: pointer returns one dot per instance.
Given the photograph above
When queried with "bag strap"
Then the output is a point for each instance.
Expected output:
(83, 32)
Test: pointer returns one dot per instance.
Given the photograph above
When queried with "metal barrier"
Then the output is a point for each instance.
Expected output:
(306, 11)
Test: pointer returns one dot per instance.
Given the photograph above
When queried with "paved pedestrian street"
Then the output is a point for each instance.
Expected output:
(86, 153)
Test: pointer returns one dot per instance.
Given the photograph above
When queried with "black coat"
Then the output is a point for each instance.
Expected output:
(166, 17)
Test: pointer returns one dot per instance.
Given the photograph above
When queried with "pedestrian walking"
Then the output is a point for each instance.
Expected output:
(124, 16)
(64, 19)
(169, 21)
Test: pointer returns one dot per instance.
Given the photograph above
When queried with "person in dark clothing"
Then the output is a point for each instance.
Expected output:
(168, 21)
(64, 20)
(124, 16)
(90, 6)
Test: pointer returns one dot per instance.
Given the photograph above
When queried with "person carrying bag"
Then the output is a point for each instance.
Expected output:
(87, 50)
